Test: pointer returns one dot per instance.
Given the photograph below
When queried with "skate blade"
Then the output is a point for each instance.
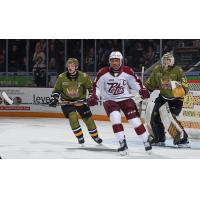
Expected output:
(123, 153)
(184, 146)
(149, 152)
(82, 145)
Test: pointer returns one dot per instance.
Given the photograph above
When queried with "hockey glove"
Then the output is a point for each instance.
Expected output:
(93, 100)
(54, 100)
(144, 93)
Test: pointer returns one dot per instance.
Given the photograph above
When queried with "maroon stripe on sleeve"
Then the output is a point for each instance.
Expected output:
(100, 73)
(129, 71)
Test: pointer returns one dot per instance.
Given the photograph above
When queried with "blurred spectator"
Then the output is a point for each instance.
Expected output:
(180, 44)
(52, 57)
(2, 60)
(89, 60)
(39, 72)
(138, 52)
(59, 55)
(40, 44)
(39, 68)
(196, 43)
(39, 52)
(14, 59)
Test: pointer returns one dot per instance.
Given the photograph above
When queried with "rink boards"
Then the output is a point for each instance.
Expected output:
(189, 117)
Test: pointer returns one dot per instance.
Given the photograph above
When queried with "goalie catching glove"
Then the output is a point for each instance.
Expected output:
(93, 100)
(144, 93)
(54, 100)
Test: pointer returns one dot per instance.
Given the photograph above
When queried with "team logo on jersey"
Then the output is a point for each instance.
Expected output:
(166, 83)
(117, 88)
(73, 92)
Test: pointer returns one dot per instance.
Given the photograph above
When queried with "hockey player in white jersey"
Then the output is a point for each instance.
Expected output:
(113, 84)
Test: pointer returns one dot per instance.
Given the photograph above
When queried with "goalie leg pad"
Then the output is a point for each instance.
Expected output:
(174, 129)
(152, 118)
(157, 126)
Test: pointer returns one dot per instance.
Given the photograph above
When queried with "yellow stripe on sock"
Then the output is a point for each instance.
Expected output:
(93, 134)
(78, 134)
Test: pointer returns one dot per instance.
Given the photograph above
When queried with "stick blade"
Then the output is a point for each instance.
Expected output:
(6, 97)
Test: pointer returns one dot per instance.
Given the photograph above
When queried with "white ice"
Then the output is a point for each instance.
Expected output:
(43, 138)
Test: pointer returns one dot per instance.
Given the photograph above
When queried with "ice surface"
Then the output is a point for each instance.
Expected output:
(43, 138)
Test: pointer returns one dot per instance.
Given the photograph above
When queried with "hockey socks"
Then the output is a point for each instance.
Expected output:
(79, 135)
(94, 134)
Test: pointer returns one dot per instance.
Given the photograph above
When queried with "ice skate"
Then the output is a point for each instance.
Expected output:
(98, 140)
(148, 147)
(183, 144)
(160, 144)
(81, 141)
(123, 148)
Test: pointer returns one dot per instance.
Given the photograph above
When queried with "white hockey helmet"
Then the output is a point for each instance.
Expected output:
(116, 54)
(169, 56)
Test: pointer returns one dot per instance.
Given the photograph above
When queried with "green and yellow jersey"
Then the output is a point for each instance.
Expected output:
(162, 78)
(73, 89)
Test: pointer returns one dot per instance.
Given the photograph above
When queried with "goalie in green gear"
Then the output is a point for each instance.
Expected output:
(173, 86)
(72, 86)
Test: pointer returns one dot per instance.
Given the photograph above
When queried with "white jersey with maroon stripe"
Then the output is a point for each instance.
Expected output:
(116, 87)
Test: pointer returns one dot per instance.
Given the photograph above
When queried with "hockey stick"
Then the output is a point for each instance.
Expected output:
(7, 98)
(123, 98)
(142, 75)
(11, 102)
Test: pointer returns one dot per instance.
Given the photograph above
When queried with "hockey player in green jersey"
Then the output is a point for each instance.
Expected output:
(172, 83)
(71, 87)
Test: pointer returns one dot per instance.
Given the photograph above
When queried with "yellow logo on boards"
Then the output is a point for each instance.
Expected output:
(190, 100)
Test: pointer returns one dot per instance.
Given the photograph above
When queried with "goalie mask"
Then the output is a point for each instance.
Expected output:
(167, 60)
(115, 55)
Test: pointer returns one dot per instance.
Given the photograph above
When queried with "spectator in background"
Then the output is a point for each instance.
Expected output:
(40, 43)
(39, 53)
(39, 68)
(2, 60)
(89, 60)
(180, 43)
(39, 72)
(52, 57)
(59, 55)
(196, 43)
(14, 59)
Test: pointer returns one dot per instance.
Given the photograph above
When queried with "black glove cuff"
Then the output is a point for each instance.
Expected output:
(55, 95)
